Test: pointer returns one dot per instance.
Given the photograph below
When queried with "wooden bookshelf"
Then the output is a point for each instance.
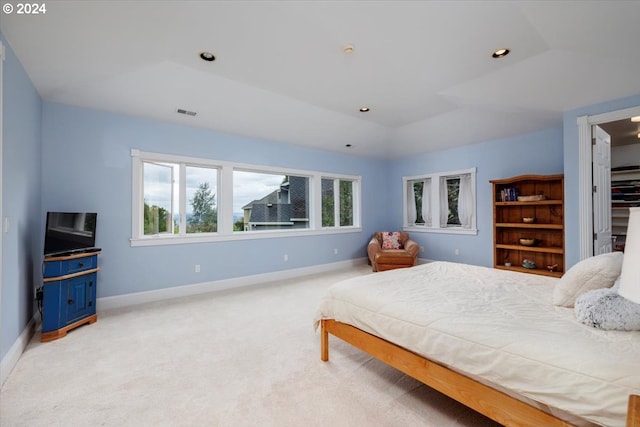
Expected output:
(547, 228)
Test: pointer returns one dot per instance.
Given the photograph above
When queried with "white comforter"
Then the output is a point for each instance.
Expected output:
(499, 326)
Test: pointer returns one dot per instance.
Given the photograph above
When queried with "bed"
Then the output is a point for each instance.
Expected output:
(491, 339)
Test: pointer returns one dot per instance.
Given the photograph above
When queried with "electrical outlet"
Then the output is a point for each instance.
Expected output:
(286, 257)
(335, 251)
(197, 268)
(457, 251)
(421, 249)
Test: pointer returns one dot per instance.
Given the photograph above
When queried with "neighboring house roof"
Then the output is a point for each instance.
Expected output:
(281, 206)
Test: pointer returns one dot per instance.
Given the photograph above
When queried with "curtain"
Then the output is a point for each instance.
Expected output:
(411, 204)
(426, 202)
(465, 202)
(444, 202)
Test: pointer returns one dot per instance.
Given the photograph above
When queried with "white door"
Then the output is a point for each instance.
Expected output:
(601, 191)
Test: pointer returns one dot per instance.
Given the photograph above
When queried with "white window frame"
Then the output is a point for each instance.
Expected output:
(224, 200)
(436, 189)
(169, 166)
(182, 163)
(355, 191)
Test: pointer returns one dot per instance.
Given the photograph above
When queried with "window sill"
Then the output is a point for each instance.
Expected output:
(451, 230)
(159, 240)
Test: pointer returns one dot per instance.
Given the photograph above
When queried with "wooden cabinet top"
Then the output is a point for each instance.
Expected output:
(73, 256)
(521, 178)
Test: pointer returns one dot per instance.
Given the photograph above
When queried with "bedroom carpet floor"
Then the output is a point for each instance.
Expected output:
(243, 357)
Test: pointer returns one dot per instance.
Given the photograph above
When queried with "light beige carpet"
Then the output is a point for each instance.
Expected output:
(246, 357)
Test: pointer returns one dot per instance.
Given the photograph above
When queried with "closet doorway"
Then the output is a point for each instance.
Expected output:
(625, 176)
(588, 201)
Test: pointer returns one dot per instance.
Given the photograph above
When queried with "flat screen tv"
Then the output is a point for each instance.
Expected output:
(69, 232)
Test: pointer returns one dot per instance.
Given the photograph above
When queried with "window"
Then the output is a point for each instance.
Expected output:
(264, 201)
(178, 199)
(346, 203)
(158, 198)
(337, 202)
(419, 197)
(453, 192)
(442, 202)
(165, 211)
(201, 209)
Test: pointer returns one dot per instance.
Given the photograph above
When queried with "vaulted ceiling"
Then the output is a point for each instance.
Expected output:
(424, 68)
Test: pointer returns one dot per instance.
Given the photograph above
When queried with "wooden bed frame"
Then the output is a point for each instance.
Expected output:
(492, 403)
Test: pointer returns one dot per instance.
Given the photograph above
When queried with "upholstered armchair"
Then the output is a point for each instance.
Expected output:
(388, 250)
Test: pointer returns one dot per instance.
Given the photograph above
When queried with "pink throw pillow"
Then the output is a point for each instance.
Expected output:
(391, 240)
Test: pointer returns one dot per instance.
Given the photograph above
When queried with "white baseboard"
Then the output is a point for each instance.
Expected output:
(108, 303)
(11, 358)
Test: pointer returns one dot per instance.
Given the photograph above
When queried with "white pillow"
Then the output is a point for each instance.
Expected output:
(606, 309)
(597, 272)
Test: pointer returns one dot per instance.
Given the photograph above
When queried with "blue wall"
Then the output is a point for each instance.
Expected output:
(535, 153)
(87, 167)
(571, 168)
(21, 169)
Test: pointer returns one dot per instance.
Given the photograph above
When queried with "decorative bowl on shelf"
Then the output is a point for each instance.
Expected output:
(527, 242)
(528, 220)
(535, 198)
(527, 263)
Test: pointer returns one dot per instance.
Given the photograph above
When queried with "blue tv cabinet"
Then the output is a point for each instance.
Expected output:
(69, 293)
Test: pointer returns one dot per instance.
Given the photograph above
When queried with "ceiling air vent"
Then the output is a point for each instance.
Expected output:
(186, 112)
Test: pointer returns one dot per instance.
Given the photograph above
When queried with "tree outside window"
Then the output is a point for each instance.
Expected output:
(328, 203)
(204, 218)
(417, 196)
(156, 219)
(346, 203)
(201, 210)
(453, 191)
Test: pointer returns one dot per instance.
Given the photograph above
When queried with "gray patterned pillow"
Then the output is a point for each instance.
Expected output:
(608, 310)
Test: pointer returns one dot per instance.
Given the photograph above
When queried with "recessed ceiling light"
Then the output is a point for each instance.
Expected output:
(207, 56)
(501, 53)
(364, 109)
(348, 49)
(348, 145)
(635, 119)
